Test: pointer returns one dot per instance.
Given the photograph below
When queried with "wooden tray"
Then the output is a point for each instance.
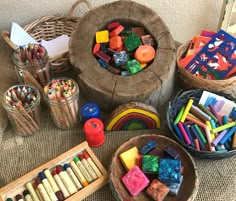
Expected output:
(189, 187)
(18, 186)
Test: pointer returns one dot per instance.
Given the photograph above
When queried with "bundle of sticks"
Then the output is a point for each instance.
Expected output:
(34, 59)
(23, 106)
(63, 99)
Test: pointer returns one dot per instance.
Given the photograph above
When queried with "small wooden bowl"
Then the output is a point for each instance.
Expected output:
(174, 107)
(189, 187)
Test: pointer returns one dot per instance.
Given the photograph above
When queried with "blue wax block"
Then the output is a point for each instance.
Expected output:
(90, 110)
(104, 47)
(148, 147)
(103, 63)
(125, 73)
(171, 152)
(169, 171)
(174, 187)
(120, 58)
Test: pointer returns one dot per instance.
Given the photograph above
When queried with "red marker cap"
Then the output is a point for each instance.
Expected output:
(54, 172)
(86, 155)
(81, 156)
(59, 169)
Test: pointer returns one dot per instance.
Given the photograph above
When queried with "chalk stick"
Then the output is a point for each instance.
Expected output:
(179, 115)
(183, 132)
(200, 134)
(189, 134)
(199, 113)
(213, 125)
(204, 109)
(209, 138)
(228, 135)
(210, 128)
(224, 127)
(195, 136)
(234, 141)
(177, 132)
(186, 110)
(199, 123)
(218, 138)
(196, 144)
(215, 114)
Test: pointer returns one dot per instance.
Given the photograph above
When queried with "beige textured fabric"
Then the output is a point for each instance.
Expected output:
(20, 155)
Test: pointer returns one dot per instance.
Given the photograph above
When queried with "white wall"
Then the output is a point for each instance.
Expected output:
(185, 18)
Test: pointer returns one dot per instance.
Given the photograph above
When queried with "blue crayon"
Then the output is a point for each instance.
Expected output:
(227, 135)
(189, 135)
(195, 136)
(177, 132)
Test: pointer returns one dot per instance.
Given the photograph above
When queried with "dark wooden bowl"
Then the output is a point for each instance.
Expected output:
(174, 107)
(189, 187)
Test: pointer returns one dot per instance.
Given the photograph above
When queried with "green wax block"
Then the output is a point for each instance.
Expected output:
(133, 66)
(150, 164)
(132, 42)
(126, 32)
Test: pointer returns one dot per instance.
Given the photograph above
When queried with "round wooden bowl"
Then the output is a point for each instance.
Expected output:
(174, 107)
(189, 187)
(153, 85)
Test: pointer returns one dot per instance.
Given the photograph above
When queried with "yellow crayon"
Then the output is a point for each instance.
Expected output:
(186, 110)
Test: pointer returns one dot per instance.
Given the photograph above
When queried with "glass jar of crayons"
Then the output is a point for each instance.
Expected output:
(32, 65)
(62, 97)
(22, 103)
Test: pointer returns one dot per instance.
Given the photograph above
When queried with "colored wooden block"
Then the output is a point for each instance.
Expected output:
(115, 71)
(169, 171)
(148, 147)
(102, 36)
(115, 42)
(150, 164)
(171, 152)
(129, 158)
(135, 181)
(103, 56)
(112, 25)
(132, 42)
(147, 40)
(157, 190)
(120, 58)
(133, 66)
(174, 187)
(138, 30)
(116, 31)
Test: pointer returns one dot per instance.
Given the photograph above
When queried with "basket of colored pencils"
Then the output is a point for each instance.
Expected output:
(206, 130)
(48, 28)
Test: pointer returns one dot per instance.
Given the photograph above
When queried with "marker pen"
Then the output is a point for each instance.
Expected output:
(83, 170)
(79, 175)
(60, 184)
(72, 176)
(27, 195)
(18, 197)
(33, 194)
(92, 164)
(42, 190)
(87, 166)
(66, 180)
(47, 187)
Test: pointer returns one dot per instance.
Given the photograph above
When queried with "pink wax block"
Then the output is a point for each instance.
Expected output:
(135, 181)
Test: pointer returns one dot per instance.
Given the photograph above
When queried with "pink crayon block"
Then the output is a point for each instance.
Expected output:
(135, 181)
(185, 135)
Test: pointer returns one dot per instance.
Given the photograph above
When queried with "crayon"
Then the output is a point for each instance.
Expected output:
(228, 135)
(42, 190)
(177, 132)
(72, 176)
(83, 170)
(27, 195)
(179, 115)
(195, 136)
(33, 194)
(224, 127)
(18, 197)
(78, 173)
(186, 110)
(204, 109)
(52, 182)
(200, 134)
(183, 132)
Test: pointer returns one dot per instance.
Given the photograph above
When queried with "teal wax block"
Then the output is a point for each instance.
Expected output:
(150, 164)
(169, 171)
(174, 187)
(133, 66)
(132, 42)
(103, 63)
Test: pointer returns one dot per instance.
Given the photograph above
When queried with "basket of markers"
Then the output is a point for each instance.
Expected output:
(204, 123)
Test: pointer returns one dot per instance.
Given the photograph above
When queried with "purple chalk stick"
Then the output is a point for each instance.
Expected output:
(218, 138)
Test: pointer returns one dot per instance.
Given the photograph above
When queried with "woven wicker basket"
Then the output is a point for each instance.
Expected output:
(190, 81)
(174, 107)
(48, 28)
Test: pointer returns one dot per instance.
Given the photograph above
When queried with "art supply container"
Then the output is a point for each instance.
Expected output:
(22, 103)
(62, 98)
(32, 65)
(90, 110)
(94, 131)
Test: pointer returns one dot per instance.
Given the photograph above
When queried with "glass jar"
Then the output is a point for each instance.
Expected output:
(22, 103)
(62, 98)
(32, 65)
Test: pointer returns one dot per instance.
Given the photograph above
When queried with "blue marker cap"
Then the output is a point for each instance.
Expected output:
(42, 176)
(90, 110)
(66, 165)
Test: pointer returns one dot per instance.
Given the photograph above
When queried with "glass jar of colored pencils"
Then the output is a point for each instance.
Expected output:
(62, 97)
(32, 65)
(22, 103)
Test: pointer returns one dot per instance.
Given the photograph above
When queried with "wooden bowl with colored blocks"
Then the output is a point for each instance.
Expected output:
(207, 151)
(188, 188)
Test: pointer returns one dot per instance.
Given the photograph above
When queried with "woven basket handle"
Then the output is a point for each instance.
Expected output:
(76, 4)
(6, 37)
